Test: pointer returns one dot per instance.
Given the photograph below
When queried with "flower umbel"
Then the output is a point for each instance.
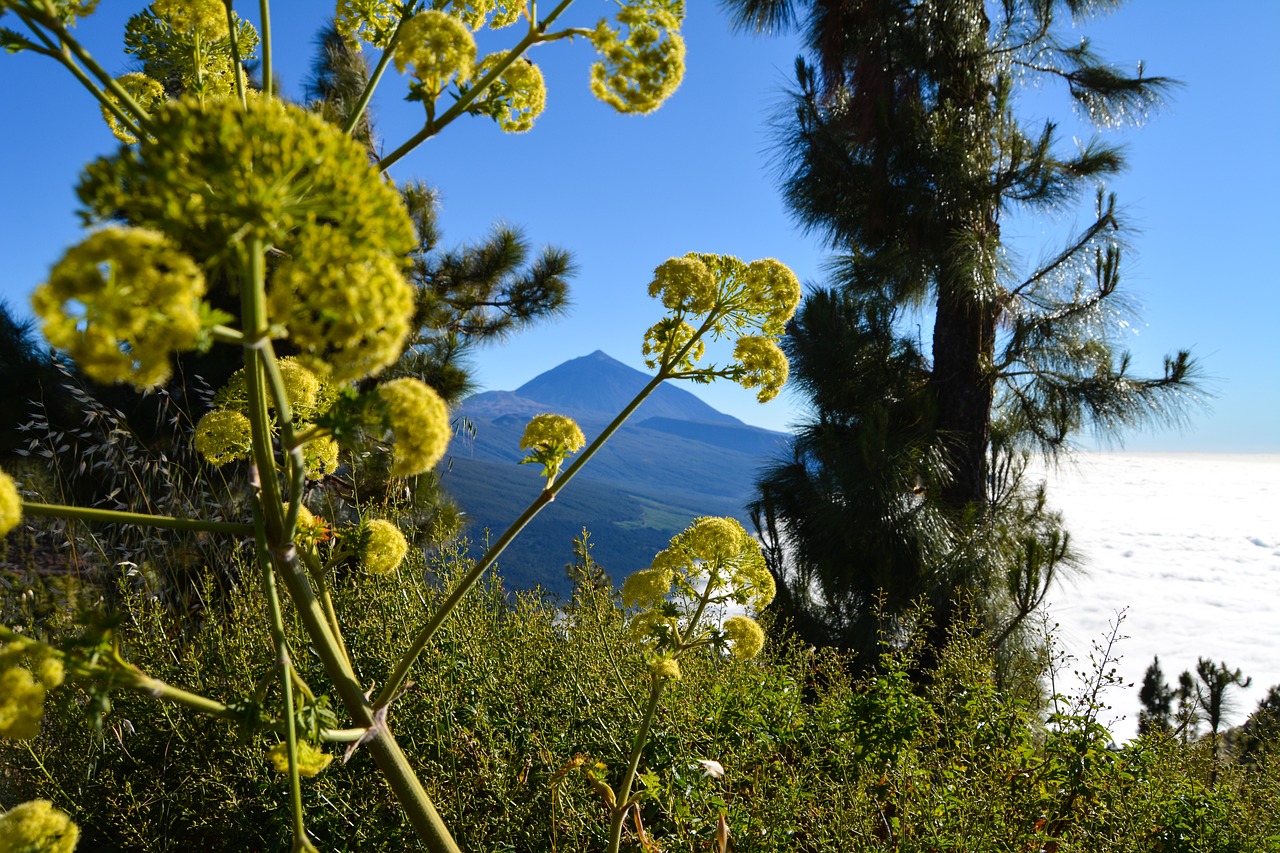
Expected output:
(637, 73)
(549, 440)
(516, 98)
(121, 303)
(419, 424)
(746, 635)
(39, 827)
(439, 47)
(383, 546)
(146, 92)
(223, 436)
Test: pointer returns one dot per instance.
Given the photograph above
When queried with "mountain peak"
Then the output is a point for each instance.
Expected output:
(599, 384)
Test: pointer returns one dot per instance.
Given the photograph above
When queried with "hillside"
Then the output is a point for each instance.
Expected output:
(676, 459)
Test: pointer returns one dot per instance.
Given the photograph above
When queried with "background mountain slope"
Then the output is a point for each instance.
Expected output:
(677, 458)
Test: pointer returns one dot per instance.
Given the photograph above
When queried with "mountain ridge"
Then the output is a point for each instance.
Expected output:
(675, 459)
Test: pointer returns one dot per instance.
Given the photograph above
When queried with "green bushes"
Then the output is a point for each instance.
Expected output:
(522, 708)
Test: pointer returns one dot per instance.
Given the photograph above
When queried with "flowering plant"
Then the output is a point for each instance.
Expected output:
(232, 218)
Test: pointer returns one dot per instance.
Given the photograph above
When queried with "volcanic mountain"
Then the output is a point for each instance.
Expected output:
(675, 459)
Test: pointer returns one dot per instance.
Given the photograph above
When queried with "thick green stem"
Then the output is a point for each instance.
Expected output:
(264, 29)
(236, 65)
(142, 519)
(386, 752)
(633, 764)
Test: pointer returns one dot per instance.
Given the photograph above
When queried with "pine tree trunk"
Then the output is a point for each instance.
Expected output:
(963, 349)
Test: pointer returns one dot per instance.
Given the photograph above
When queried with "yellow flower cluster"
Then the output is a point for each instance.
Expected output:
(439, 47)
(516, 98)
(212, 176)
(222, 436)
(206, 19)
(147, 93)
(763, 365)
(721, 550)
(665, 339)
(551, 432)
(383, 546)
(663, 666)
(309, 395)
(419, 423)
(549, 440)
(373, 21)
(348, 310)
(685, 284)
(647, 588)
(39, 827)
(731, 298)
(22, 692)
(311, 761)
(712, 563)
(637, 73)
(773, 292)
(474, 12)
(10, 504)
(121, 302)
(746, 635)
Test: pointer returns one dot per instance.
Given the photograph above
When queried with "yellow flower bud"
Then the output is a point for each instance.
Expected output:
(637, 73)
(763, 365)
(685, 284)
(746, 635)
(419, 422)
(21, 701)
(384, 547)
(10, 504)
(311, 761)
(776, 291)
(647, 588)
(663, 342)
(664, 667)
(146, 92)
(205, 18)
(223, 436)
(37, 826)
(438, 46)
(347, 309)
(121, 303)
(516, 98)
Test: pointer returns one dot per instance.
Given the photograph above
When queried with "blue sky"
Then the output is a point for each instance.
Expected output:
(624, 193)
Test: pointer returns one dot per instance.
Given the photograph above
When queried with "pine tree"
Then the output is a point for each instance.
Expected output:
(904, 154)
(1157, 701)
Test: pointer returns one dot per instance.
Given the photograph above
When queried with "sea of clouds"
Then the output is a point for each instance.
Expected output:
(1187, 548)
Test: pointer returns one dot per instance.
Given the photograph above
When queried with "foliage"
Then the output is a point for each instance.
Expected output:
(905, 150)
(521, 699)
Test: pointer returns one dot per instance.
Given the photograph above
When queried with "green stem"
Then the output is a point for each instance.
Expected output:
(238, 68)
(285, 667)
(386, 752)
(536, 34)
(69, 42)
(264, 28)
(401, 672)
(374, 80)
(112, 516)
(637, 747)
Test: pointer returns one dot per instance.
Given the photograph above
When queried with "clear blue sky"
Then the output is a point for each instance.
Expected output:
(624, 193)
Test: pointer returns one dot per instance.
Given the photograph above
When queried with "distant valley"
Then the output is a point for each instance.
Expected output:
(676, 458)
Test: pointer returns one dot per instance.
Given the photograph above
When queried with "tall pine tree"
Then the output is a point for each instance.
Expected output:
(905, 153)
